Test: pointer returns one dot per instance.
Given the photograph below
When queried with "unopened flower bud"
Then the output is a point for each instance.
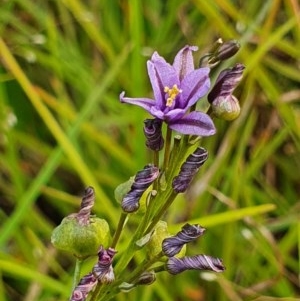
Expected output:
(224, 105)
(142, 181)
(199, 262)
(225, 51)
(153, 133)
(146, 278)
(189, 169)
(172, 245)
(226, 108)
(79, 233)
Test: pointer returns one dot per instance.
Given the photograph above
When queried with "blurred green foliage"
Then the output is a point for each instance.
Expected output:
(62, 128)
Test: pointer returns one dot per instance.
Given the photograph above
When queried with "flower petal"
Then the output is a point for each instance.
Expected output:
(183, 62)
(195, 123)
(146, 103)
(161, 75)
(194, 86)
(174, 114)
(156, 112)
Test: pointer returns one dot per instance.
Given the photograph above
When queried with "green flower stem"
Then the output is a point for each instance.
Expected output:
(156, 163)
(162, 210)
(167, 149)
(174, 156)
(180, 150)
(96, 292)
(144, 267)
(156, 158)
(77, 271)
(141, 268)
(131, 248)
(119, 229)
(159, 269)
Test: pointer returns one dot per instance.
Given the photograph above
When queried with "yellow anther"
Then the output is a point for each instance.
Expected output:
(173, 92)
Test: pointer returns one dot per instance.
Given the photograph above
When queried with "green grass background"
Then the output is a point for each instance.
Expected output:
(62, 128)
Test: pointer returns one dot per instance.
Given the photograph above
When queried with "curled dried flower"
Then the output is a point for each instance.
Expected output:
(189, 169)
(172, 245)
(103, 270)
(199, 262)
(87, 203)
(153, 133)
(142, 181)
(85, 285)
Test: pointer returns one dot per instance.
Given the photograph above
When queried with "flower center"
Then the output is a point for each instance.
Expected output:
(172, 93)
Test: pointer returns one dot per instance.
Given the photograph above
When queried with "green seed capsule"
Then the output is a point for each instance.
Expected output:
(81, 240)
(154, 246)
(227, 108)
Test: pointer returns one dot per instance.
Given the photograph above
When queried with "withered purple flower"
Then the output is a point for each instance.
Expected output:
(172, 245)
(143, 179)
(199, 262)
(176, 88)
(85, 285)
(103, 270)
(189, 169)
(87, 204)
(153, 133)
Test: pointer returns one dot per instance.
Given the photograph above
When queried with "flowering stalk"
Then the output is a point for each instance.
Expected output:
(167, 149)
(177, 88)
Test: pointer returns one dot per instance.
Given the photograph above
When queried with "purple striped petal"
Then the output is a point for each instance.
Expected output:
(184, 62)
(195, 123)
(145, 103)
(161, 75)
(194, 86)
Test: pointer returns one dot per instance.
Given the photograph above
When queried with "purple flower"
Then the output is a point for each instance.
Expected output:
(176, 88)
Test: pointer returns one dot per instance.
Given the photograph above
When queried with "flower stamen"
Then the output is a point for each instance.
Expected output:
(172, 93)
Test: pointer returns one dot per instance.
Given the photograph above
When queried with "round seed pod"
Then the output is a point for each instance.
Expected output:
(227, 108)
(81, 240)
(154, 246)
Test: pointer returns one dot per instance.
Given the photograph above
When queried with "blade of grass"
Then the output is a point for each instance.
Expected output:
(50, 166)
(21, 271)
(227, 217)
(85, 19)
(53, 126)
